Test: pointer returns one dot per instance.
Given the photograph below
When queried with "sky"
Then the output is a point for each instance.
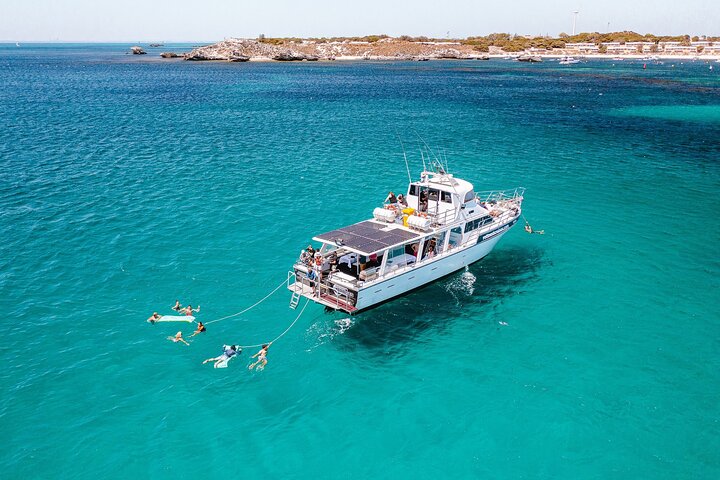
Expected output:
(211, 20)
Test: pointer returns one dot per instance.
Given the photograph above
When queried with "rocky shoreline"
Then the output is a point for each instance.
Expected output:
(242, 50)
(385, 49)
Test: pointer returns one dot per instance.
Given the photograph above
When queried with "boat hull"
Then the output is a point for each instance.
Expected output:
(427, 272)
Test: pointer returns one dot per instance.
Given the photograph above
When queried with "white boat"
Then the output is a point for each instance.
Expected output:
(445, 226)
(568, 60)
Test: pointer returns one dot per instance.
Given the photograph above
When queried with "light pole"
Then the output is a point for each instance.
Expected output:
(575, 14)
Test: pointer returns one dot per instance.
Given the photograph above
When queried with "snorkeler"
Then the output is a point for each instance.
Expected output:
(261, 358)
(154, 317)
(200, 328)
(229, 351)
(178, 338)
(529, 229)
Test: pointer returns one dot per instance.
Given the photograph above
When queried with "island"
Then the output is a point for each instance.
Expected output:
(384, 47)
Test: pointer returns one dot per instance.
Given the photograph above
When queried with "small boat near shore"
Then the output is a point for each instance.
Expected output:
(444, 227)
(568, 60)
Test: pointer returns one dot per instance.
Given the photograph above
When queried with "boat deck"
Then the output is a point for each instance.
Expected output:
(325, 298)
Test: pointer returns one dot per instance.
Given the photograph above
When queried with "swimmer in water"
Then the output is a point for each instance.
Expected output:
(229, 351)
(529, 229)
(200, 328)
(178, 338)
(261, 358)
(177, 307)
(189, 310)
(154, 317)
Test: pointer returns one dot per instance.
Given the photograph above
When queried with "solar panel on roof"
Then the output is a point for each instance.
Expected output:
(368, 237)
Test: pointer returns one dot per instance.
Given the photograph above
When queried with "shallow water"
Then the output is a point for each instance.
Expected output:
(589, 352)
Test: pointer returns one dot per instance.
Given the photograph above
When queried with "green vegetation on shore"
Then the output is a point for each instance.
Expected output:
(510, 42)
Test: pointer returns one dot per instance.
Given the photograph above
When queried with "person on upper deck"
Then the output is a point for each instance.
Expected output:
(391, 199)
(423, 205)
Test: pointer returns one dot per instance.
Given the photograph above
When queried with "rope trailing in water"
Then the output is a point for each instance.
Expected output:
(250, 307)
(283, 333)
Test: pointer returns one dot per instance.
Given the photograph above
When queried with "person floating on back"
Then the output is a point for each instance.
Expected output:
(229, 352)
(154, 317)
(261, 358)
(178, 338)
(200, 328)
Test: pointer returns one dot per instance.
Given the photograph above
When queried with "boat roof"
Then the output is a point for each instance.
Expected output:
(368, 237)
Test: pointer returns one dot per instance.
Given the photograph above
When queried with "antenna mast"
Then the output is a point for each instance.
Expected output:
(405, 157)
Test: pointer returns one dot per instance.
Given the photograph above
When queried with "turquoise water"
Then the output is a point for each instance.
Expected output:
(129, 182)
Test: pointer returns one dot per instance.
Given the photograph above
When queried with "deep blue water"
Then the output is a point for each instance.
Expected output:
(128, 182)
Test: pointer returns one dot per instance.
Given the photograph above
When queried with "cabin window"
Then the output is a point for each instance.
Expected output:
(433, 245)
(455, 237)
(433, 195)
(469, 196)
(478, 222)
(446, 197)
(413, 190)
(400, 257)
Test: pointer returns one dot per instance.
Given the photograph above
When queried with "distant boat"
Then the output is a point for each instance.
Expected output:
(568, 60)
(17, 44)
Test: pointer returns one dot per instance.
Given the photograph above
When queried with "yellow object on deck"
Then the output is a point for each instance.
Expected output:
(408, 211)
(405, 217)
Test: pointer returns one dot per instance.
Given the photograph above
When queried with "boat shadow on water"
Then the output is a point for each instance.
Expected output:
(432, 308)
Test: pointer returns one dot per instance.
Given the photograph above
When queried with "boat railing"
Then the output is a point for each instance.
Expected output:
(298, 280)
(505, 217)
(498, 195)
(442, 218)
(292, 279)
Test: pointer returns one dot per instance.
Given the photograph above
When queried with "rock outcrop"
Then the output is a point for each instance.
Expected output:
(169, 55)
(137, 50)
(295, 50)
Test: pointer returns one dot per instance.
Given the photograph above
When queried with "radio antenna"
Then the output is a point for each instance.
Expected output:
(405, 157)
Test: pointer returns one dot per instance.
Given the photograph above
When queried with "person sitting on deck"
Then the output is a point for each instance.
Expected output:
(402, 201)
(391, 199)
